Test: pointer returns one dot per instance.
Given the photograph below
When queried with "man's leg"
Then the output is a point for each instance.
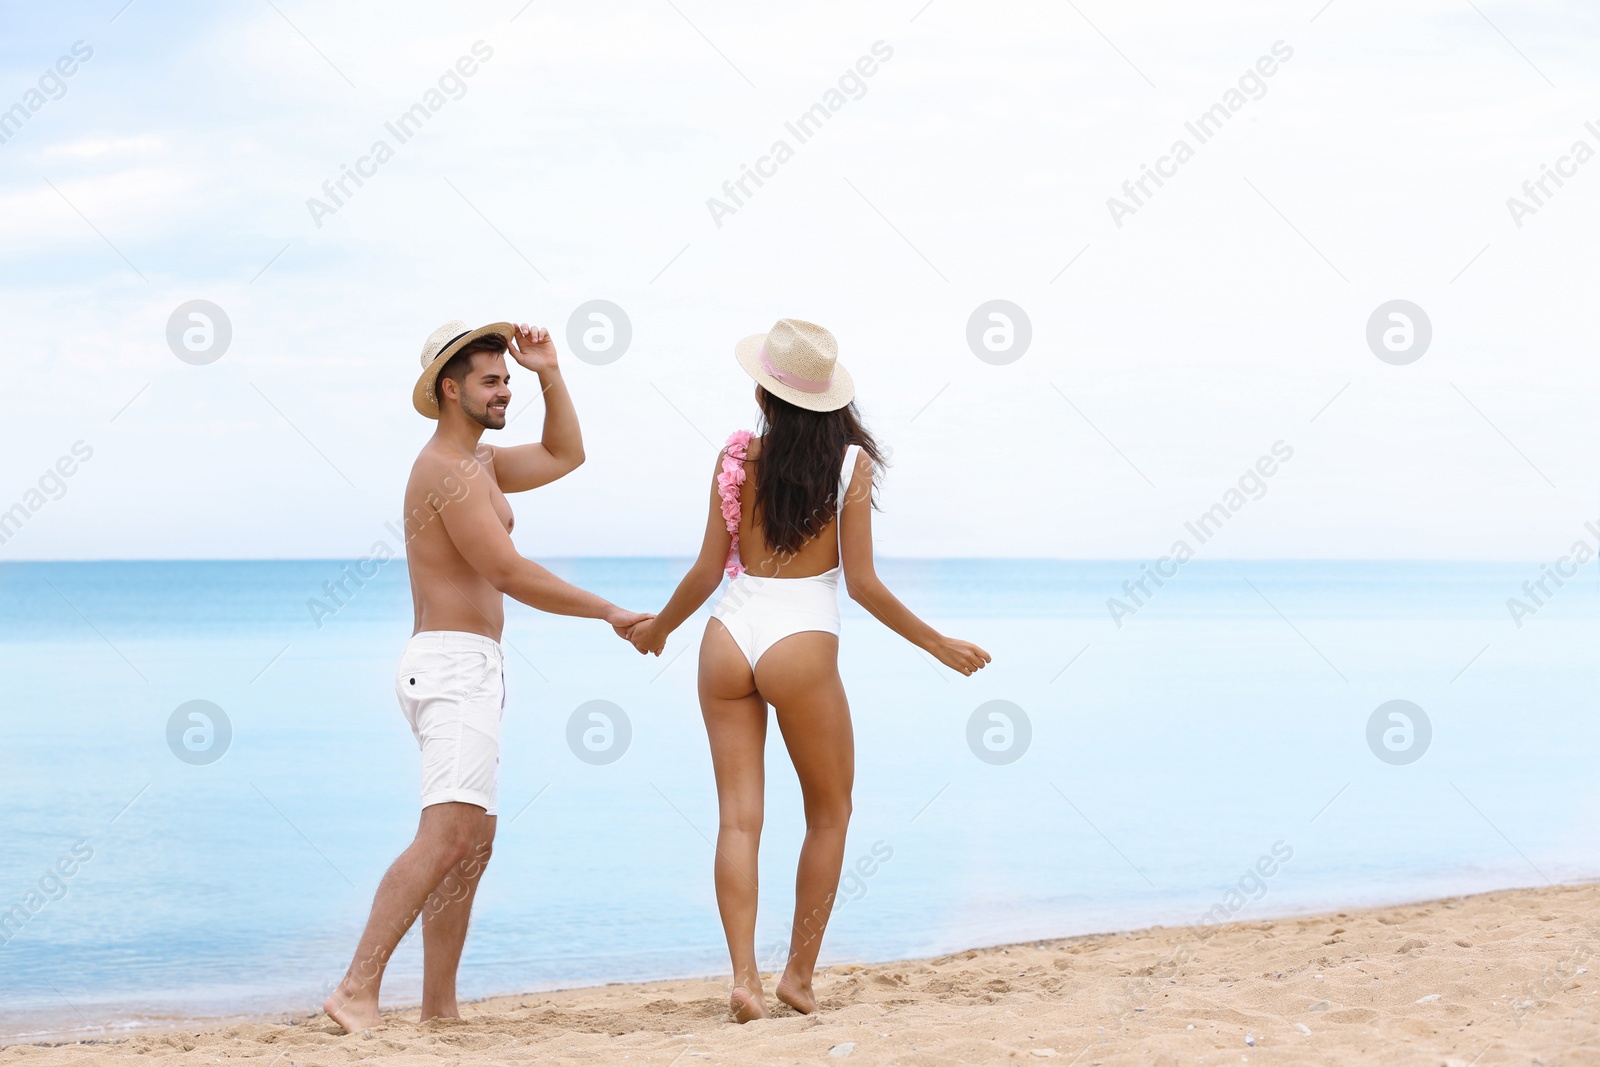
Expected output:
(444, 926)
(444, 838)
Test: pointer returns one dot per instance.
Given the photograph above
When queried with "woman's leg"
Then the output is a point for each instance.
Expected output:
(800, 676)
(736, 723)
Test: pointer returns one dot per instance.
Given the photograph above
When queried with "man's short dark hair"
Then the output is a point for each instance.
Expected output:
(458, 366)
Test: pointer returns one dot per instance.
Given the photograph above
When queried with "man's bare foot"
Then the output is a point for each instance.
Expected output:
(746, 1006)
(449, 1011)
(354, 1013)
(796, 994)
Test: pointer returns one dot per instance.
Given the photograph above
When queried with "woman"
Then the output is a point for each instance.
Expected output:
(790, 510)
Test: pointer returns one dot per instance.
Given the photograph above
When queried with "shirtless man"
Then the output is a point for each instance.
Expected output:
(451, 682)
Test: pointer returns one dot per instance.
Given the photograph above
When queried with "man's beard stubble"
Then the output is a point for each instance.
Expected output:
(483, 417)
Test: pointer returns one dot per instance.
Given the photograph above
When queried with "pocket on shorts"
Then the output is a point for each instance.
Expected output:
(427, 676)
(418, 670)
(431, 674)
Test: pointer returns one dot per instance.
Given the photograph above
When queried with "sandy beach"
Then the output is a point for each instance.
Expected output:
(1492, 979)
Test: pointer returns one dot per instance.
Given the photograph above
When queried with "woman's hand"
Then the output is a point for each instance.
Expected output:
(622, 620)
(648, 637)
(963, 656)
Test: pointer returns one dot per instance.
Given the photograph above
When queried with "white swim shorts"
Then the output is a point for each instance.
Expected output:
(452, 691)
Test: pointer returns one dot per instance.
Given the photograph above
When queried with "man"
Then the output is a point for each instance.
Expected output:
(451, 681)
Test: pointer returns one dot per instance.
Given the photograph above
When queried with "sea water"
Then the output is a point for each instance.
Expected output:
(1222, 745)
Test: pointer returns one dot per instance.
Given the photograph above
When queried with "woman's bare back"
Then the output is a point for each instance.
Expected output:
(818, 554)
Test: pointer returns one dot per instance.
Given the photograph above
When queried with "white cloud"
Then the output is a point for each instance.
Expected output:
(102, 148)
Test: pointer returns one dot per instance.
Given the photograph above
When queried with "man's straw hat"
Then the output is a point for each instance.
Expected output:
(798, 361)
(443, 343)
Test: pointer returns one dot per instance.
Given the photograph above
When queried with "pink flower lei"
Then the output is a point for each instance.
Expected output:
(729, 479)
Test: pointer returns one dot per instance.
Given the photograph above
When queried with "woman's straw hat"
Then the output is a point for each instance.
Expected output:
(798, 361)
(443, 343)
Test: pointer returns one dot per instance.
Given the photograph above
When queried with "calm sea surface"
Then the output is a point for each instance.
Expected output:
(1152, 765)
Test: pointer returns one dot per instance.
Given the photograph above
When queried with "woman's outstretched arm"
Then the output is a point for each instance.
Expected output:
(867, 589)
(697, 585)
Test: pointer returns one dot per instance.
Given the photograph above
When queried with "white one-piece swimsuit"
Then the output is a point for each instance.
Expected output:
(759, 612)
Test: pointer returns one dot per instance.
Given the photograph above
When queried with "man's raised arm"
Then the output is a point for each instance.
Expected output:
(523, 467)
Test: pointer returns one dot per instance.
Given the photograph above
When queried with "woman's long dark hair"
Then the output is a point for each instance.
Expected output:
(797, 474)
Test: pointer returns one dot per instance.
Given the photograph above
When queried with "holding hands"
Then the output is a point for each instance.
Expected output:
(639, 628)
(624, 621)
(648, 636)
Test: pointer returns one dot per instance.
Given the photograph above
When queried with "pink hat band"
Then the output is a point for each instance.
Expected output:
(791, 379)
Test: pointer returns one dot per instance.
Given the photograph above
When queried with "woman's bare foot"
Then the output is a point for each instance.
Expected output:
(352, 1010)
(796, 994)
(745, 1005)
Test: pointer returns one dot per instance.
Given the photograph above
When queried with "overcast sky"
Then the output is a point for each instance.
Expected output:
(1173, 345)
